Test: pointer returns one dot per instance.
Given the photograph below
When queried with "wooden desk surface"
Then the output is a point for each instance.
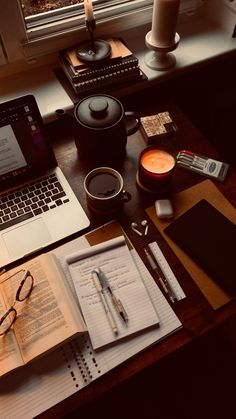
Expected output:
(195, 313)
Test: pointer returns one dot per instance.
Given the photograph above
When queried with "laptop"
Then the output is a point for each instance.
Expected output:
(37, 204)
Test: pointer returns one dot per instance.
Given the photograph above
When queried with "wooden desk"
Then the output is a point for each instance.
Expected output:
(196, 314)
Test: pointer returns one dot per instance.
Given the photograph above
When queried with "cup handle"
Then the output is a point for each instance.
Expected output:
(132, 122)
(126, 196)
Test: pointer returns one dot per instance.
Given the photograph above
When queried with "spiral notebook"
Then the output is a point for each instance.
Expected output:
(39, 386)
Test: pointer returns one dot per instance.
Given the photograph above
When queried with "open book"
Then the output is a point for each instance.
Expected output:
(48, 317)
(34, 389)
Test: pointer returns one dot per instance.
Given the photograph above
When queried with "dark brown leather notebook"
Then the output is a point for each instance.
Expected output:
(209, 238)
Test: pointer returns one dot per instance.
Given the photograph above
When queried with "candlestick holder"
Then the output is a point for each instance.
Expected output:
(95, 49)
(160, 58)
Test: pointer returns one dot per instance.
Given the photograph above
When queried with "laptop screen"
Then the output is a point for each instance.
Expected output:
(24, 149)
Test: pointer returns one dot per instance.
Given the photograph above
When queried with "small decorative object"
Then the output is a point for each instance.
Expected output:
(158, 126)
(163, 38)
(156, 167)
(95, 50)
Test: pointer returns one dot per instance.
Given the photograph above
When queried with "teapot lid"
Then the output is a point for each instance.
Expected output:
(99, 111)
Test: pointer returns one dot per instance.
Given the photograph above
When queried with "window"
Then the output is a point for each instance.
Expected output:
(72, 17)
(40, 34)
(34, 7)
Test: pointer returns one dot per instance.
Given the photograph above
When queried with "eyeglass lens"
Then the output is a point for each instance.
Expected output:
(23, 292)
(25, 287)
(7, 321)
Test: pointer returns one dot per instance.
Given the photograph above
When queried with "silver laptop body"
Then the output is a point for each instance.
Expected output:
(37, 204)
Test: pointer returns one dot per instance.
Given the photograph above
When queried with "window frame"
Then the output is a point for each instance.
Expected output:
(20, 43)
(29, 44)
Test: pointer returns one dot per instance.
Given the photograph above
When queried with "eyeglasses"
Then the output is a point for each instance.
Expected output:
(23, 292)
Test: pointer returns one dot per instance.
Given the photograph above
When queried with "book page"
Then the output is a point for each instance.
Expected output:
(115, 262)
(31, 391)
(10, 357)
(50, 315)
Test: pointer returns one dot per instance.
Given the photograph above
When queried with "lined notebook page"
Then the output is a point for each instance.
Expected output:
(114, 259)
(39, 386)
(168, 323)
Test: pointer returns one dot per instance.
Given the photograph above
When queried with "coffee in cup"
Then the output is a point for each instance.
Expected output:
(104, 190)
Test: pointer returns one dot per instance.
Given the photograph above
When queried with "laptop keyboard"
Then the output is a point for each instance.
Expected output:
(31, 200)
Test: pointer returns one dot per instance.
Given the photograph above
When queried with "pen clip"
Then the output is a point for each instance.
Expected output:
(102, 279)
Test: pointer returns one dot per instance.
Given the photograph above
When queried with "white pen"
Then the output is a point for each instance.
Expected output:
(105, 304)
(115, 301)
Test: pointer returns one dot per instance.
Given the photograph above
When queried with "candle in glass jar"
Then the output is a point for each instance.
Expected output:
(88, 8)
(157, 161)
(155, 167)
(164, 22)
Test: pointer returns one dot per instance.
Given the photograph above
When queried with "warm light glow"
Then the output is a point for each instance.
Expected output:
(157, 161)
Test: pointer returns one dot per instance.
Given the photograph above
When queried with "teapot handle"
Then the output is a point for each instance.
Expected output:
(132, 122)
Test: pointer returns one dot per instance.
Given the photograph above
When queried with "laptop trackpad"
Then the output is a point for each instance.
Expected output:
(24, 239)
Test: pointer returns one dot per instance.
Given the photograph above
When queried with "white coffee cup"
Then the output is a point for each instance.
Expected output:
(104, 188)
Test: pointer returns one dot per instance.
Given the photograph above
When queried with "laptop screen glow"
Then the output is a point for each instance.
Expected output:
(24, 149)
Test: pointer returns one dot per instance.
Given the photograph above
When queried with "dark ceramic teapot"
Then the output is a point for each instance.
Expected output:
(101, 129)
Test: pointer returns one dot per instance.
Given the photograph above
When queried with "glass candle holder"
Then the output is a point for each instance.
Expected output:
(156, 167)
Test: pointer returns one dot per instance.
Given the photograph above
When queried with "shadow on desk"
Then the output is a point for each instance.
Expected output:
(192, 384)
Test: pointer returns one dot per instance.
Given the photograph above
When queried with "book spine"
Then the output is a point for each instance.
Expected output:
(109, 80)
(98, 72)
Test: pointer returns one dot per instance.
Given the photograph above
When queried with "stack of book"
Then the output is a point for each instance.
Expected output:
(121, 67)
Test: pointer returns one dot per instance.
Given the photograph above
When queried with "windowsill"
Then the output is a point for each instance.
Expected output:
(201, 42)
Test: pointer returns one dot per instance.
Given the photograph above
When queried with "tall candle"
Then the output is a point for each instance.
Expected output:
(164, 22)
(88, 8)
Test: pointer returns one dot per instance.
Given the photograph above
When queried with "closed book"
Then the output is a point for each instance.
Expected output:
(93, 72)
(121, 67)
(108, 81)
